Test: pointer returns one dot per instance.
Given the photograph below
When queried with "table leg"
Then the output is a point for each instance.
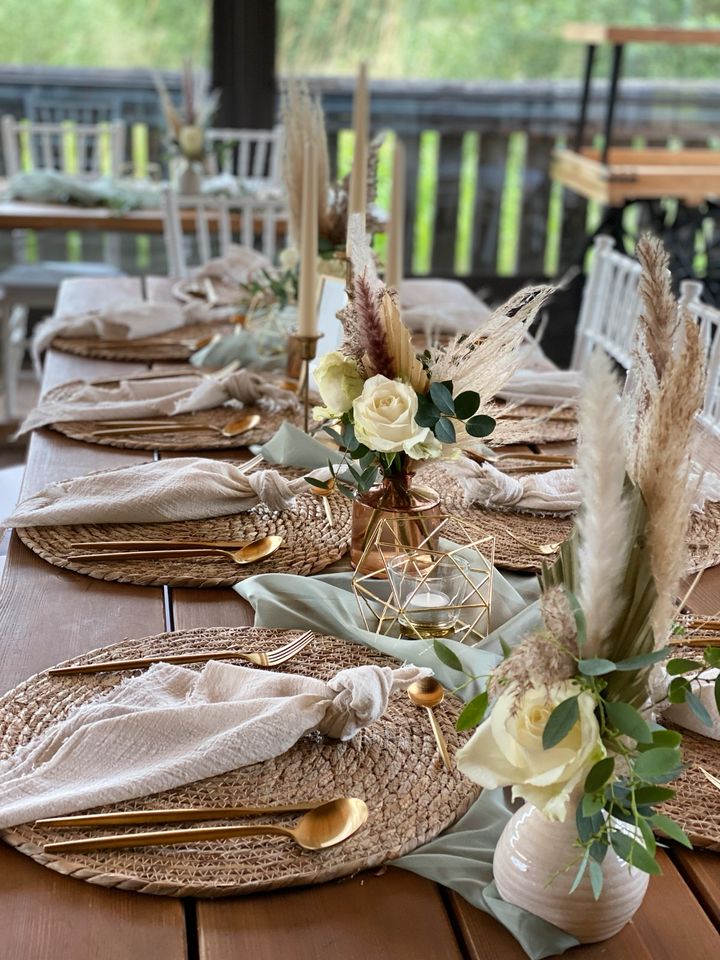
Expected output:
(612, 96)
(589, 61)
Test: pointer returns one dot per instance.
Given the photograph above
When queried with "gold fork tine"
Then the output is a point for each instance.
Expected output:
(281, 655)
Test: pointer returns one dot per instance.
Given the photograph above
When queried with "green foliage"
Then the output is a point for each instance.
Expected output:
(560, 722)
(473, 713)
(447, 656)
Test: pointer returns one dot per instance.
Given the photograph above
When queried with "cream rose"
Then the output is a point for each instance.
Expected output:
(384, 417)
(506, 749)
(192, 141)
(339, 382)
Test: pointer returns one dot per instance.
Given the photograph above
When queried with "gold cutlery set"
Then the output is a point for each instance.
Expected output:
(239, 551)
(323, 823)
(233, 428)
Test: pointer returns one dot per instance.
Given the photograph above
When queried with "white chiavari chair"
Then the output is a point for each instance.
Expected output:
(254, 156)
(83, 149)
(260, 224)
(708, 319)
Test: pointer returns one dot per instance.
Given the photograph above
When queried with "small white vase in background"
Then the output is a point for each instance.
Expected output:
(532, 850)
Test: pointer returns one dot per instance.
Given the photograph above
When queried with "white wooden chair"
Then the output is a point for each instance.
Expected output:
(610, 306)
(214, 219)
(708, 319)
(83, 149)
(250, 155)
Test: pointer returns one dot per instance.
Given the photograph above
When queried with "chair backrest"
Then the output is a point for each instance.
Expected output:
(215, 223)
(708, 319)
(85, 149)
(610, 306)
(246, 154)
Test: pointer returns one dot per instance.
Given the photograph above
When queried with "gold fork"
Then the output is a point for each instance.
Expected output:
(271, 658)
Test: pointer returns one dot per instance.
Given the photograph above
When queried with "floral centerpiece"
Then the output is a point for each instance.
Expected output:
(391, 407)
(570, 727)
(186, 126)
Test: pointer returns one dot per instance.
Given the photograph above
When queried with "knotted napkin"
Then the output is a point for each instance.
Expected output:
(172, 726)
(142, 398)
(484, 485)
(234, 267)
(546, 388)
(186, 488)
(130, 320)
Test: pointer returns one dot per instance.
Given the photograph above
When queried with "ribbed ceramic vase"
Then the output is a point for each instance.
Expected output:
(533, 849)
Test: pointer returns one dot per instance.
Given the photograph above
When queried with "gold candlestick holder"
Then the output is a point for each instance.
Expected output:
(303, 349)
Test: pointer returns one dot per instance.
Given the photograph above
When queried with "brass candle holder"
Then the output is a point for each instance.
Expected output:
(301, 350)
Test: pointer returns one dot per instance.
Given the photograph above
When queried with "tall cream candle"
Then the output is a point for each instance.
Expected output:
(396, 226)
(307, 292)
(357, 200)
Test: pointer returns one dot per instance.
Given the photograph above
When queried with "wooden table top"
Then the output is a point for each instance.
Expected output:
(48, 614)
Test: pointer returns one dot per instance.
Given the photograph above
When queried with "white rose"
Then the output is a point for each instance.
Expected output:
(289, 258)
(384, 417)
(506, 749)
(192, 141)
(425, 446)
(339, 382)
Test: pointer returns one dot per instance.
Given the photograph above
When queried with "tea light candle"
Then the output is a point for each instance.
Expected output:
(428, 599)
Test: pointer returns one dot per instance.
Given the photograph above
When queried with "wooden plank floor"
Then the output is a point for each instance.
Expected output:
(47, 615)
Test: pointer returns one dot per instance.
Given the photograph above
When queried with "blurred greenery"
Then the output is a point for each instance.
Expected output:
(448, 39)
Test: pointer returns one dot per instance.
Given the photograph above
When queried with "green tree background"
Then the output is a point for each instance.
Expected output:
(440, 39)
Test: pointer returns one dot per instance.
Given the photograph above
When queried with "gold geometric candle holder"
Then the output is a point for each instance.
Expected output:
(420, 611)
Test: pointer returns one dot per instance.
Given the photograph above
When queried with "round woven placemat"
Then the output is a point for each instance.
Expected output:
(529, 430)
(177, 440)
(392, 765)
(134, 351)
(309, 546)
(696, 804)
(510, 554)
(538, 530)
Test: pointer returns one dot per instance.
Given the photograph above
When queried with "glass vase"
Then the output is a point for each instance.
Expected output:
(394, 516)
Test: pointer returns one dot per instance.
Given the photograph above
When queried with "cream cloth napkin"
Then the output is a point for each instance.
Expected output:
(235, 266)
(172, 726)
(543, 387)
(552, 492)
(142, 398)
(683, 716)
(441, 304)
(129, 320)
(186, 488)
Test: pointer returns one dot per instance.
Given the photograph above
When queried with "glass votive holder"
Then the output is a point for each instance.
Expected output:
(429, 591)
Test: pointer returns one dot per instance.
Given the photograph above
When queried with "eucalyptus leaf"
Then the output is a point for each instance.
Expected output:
(481, 426)
(599, 775)
(442, 398)
(447, 656)
(643, 660)
(677, 691)
(671, 829)
(680, 665)
(314, 482)
(473, 712)
(596, 878)
(657, 762)
(698, 708)
(644, 795)
(632, 852)
(592, 803)
(466, 404)
(580, 872)
(627, 720)
(445, 430)
(595, 666)
(711, 656)
(560, 722)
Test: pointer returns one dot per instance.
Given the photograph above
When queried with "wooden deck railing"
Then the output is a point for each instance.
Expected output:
(480, 199)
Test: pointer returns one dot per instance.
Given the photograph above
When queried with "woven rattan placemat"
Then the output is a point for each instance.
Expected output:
(392, 765)
(309, 546)
(135, 351)
(510, 528)
(187, 440)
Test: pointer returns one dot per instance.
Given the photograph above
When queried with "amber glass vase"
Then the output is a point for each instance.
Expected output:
(393, 516)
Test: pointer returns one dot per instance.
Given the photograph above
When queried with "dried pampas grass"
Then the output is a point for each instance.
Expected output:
(303, 121)
(485, 360)
(603, 523)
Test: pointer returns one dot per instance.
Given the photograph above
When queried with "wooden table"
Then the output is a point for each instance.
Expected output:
(48, 614)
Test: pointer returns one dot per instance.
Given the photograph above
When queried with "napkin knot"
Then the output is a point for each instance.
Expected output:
(361, 696)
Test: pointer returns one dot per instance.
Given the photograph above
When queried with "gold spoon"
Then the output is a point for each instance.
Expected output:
(544, 549)
(257, 550)
(326, 825)
(429, 693)
(231, 429)
(324, 493)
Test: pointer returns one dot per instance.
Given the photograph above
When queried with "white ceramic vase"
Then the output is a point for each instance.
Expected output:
(533, 849)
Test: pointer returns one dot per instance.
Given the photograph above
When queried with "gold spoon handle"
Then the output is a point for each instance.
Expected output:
(173, 815)
(153, 838)
(159, 544)
(154, 554)
(170, 428)
(439, 738)
(110, 666)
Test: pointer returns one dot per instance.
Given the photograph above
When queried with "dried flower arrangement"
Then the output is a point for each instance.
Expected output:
(185, 126)
(580, 684)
